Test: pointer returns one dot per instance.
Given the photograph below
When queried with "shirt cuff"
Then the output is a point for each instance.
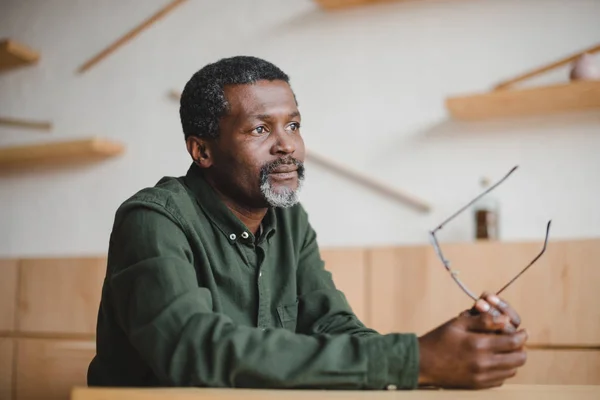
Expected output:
(394, 362)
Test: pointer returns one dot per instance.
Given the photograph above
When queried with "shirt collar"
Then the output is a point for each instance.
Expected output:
(221, 215)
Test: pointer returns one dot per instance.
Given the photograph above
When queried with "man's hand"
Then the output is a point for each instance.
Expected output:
(496, 314)
(463, 354)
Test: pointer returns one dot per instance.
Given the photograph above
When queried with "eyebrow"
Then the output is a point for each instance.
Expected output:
(267, 116)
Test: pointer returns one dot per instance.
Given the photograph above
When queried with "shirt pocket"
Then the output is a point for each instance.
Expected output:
(288, 316)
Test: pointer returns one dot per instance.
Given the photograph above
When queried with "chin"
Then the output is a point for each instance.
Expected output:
(281, 195)
(286, 187)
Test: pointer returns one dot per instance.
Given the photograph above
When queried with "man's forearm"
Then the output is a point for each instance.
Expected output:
(335, 316)
(187, 344)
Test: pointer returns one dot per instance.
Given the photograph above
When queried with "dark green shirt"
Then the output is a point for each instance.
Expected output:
(192, 298)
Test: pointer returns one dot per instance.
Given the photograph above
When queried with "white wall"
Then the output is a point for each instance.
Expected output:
(370, 83)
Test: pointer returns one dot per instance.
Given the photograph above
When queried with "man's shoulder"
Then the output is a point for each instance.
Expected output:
(169, 195)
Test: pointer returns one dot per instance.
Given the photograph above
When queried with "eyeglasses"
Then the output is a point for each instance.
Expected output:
(453, 273)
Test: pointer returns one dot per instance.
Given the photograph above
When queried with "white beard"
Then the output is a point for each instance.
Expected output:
(283, 198)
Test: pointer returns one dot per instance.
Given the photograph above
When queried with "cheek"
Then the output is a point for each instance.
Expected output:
(300, 150)
(247, 168)
(246, 159)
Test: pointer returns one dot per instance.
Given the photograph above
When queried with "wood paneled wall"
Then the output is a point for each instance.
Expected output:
(48, 307)
(556, 297)
(59, 295)
(6, 367)
(8, 294)
(410, 291)
(354, 284)
(48, 311)
(48, 368)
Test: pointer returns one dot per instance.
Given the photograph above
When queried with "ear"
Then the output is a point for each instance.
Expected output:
(200, 151)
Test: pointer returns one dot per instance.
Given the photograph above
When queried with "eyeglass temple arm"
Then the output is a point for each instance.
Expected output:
(453, 274)
(450, 218)
(531, 263)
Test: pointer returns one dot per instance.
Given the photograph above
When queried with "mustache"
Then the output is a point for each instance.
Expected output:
(269, 167)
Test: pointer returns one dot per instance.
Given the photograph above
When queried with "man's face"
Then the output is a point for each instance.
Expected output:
(259, 154)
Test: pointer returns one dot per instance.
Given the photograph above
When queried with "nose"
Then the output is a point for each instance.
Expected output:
(285, 143)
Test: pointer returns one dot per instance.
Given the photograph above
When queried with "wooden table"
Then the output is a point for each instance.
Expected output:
(512, 392)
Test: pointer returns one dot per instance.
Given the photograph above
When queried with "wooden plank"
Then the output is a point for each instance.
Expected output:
(349, 270)
(538, 71)
(398, 282)
(58, 153)
(6, 368)
(507, 392)
(563, 347)
(26, 123)
(60, 295)
(342, 4)
(14, 54)
(568, 97)
(8, 294)
(48, 335)
(412, 292)
(130, 35)
(48, 369)
(560, 367)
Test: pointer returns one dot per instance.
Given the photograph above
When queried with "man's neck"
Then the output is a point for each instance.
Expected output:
(251, 217)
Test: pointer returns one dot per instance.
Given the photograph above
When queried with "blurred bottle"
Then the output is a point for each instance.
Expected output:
(486, 215)
(585, 68)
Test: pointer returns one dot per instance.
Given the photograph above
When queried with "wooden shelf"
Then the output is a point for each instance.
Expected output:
(14, 55)
(58, 153)
(26, 123)
(505, 101)
(573, 96)
(340, 4)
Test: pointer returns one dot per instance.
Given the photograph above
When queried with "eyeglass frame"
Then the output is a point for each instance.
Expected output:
(446, 263)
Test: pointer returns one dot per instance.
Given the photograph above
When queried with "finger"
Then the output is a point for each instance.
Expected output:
(506, 361)
(489, 322)
(497, 376)
(504, 308)
(494, 380)
(482, 306)
(493, 384)
(507, 343)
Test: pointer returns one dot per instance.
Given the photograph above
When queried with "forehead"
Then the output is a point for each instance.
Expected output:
(262, 97)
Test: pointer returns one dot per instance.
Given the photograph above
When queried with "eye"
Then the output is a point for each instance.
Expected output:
(294, 126)
(259, 130)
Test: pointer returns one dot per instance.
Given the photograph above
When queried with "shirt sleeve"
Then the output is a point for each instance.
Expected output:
(322, 308)
(167, 315)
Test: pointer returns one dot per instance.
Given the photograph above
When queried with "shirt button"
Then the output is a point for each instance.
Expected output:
(232, 236)
(260, 274)
(245, 235)
(391, 387)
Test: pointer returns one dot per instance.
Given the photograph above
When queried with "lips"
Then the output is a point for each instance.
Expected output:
(283, 169)
(284, 172)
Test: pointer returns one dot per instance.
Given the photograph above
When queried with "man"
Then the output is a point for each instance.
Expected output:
(214, 278)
